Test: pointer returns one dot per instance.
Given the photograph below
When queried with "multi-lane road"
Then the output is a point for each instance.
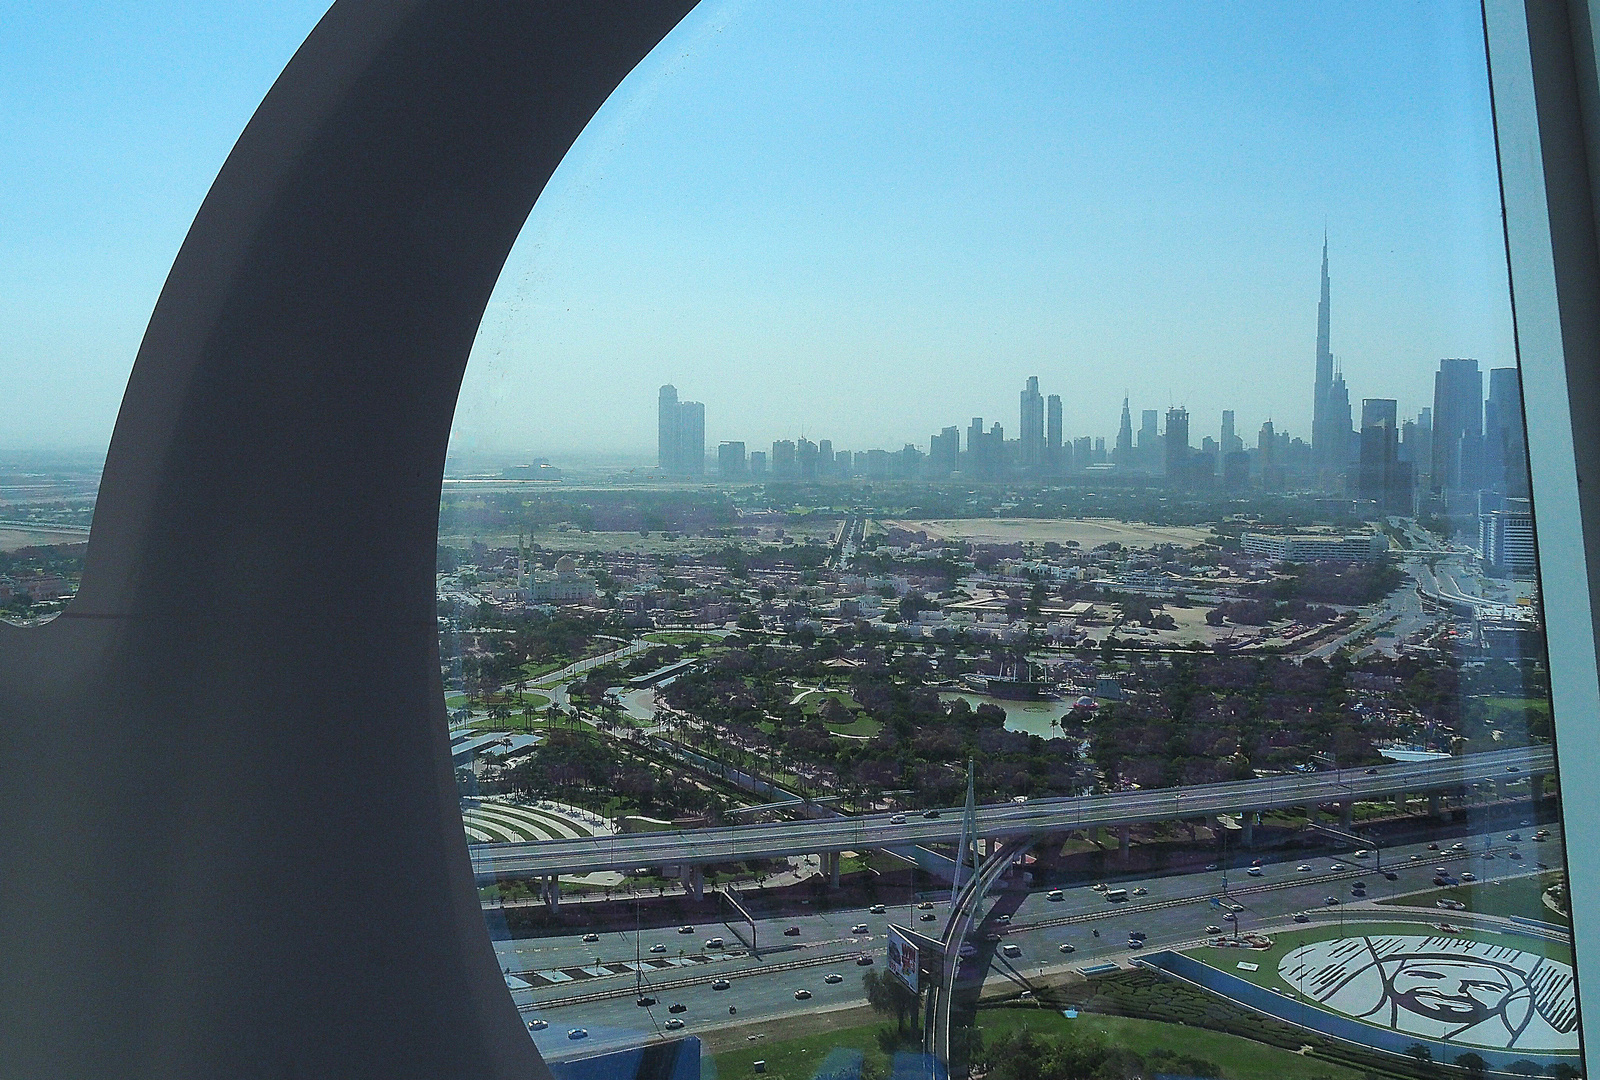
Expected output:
(1176, 910)
(786, 838)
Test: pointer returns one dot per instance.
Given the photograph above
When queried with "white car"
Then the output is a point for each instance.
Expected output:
(1303, 868)
(715, 943)
(1067, 948)
(833, 977)
(898, 819)
(538, 1025)
(673, 1023)
(658, 947)
(1011, 950)
(578, 1033)
(1255, 871)
(859, 928)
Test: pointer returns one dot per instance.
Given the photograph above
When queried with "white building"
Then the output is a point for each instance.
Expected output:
(1316, 547)
(1505, 539)
(565, 586)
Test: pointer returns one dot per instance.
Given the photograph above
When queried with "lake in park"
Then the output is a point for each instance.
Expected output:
(1041, 718)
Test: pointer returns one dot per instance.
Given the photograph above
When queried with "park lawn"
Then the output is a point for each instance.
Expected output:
(1507, 709)
(1519, 896)
(862, 725)
(800, 1058)
(1239, 1058)
(680, 637)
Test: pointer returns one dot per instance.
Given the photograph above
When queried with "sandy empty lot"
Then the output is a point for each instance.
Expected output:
(1090, 532)
(12, 539)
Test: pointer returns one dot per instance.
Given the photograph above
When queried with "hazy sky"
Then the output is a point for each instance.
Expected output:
(859, 221)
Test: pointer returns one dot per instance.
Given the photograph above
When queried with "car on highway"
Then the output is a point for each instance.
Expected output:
(832, 978)
(677, 1007)
(1458, 847)
(1003, 920)
(1301, 916)
(1416, 858)
(590, 939)
(673, 1023)
(1255, 871)
(1515, 856)
(721, 984)
(926, 905)
(715, 943)
(1372, 772)
(802, 995)
(1513, 838)
(1054, 895)
(538, 1025)
(1228, 916)
(685, 929)
(927, 916)
(877, 909)
(992, 936)
(1099, 886)
(791, 931)
(859, 928)
(1450, 905)
(1067, 948)
(1213, 929)
(645, 1002)
(1212, 866)
(658, 947)
(1390, 875)
(1138, 934)
(1141, 891)
(1011, 950)
(863, 960)
(1361, 854)
(1303, 868)
(1331, 901)
(1433, 847)
(577, 1033)
(1513, 769)
(1468, 875)
(931, 815)
(898, 819)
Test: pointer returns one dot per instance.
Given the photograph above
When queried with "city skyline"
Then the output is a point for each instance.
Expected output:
(1462, 453)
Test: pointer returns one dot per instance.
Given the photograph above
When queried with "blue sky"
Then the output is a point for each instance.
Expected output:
(860, 221)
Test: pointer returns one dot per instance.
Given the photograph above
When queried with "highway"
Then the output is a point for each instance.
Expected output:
(1176, 910)
(998, 821)
(781, 839)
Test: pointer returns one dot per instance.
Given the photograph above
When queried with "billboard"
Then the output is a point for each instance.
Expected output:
(903, 958)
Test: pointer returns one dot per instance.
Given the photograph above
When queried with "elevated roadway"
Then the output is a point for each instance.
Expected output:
(1001, 821)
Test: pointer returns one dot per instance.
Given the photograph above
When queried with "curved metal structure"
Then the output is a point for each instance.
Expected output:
(230, 843)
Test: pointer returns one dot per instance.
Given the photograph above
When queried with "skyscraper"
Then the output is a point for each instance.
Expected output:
(1052, 437)
(667, 429)
(1381, 476)
(1230, 441)
(944, 451)
(691, 438)
(1031, 451)
(1504, 442)
(1457, 425)
(1177, 444)
(680, 434)
(1330, 404)
(1123, 453)
(1150, 456)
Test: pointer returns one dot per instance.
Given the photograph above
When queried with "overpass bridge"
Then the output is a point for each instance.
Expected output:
(1002, 821)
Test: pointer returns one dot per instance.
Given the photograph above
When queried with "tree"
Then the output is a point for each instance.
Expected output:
(1472, 1064)
(890, 997)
